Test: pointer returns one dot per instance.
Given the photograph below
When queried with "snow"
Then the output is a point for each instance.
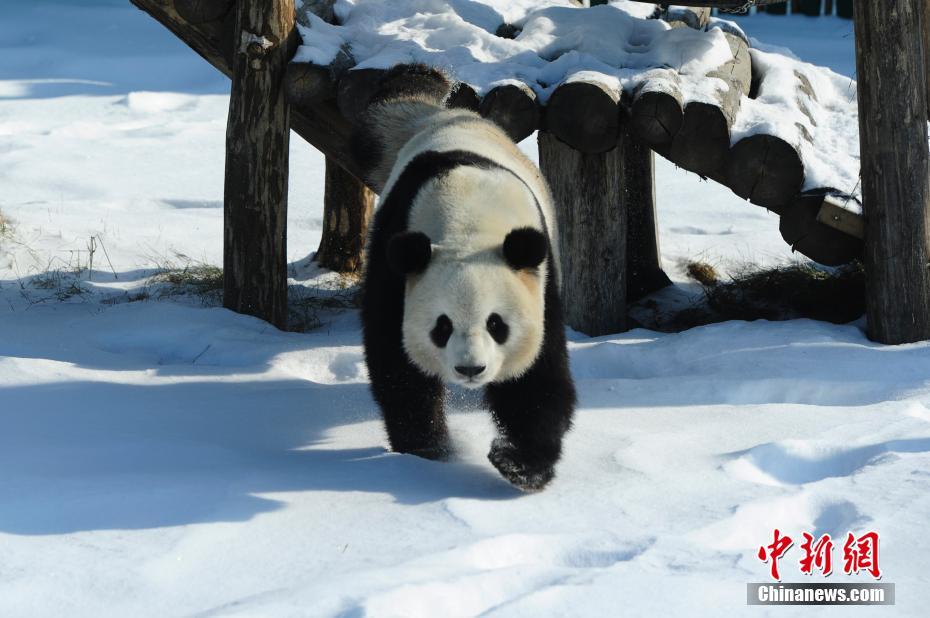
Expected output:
(166, 457)
(614, 44)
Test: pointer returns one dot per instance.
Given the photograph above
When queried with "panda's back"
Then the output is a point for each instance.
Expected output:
(489, 187)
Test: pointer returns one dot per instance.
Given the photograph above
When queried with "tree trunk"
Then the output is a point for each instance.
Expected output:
(597, 197)
(895, 169)
(257, 140)
(347, 207)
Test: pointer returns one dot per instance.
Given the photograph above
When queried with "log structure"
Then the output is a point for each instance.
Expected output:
(593, 134)
(895, 169)
(320, 123)
(257, 147)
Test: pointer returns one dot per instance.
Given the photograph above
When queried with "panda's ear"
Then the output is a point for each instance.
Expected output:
(525, 247)
(409, 252)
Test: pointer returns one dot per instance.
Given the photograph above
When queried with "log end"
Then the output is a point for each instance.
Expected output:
(514, 108)
(764, 169)
(656, 118)
(585, 115)
(801, 229)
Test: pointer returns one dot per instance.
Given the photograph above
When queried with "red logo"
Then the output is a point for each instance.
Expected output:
(859, 554)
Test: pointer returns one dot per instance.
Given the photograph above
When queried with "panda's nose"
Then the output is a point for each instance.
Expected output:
(469, 372)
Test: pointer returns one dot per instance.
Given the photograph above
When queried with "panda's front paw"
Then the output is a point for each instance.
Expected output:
(516, 469)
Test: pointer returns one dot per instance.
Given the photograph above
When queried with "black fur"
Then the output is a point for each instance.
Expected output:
(533, 412)
(409, 252)
(412, 80)
(525, 248)
(400, 82)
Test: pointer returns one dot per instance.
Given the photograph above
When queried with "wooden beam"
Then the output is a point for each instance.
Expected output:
(895, 168)
(320, 123)
(257, 147)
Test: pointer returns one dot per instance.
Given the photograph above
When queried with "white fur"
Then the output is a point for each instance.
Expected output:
(467, 214)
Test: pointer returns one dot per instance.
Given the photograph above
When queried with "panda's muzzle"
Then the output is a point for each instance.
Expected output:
(470, 371)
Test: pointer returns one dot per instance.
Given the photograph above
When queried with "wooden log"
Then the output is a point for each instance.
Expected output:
(321, 124)
(514, 107)
(657, 111)
(702, 142)
(592, 217)
(347, 208)
(801, 229)
(644, 262)
(202, 11)
(464, 96)
(585, 114)
(257, 143)
(690, 17)
(925, 39)
(764, 169)
(895, 169)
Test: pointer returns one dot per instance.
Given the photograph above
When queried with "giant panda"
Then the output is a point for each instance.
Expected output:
(461, 283)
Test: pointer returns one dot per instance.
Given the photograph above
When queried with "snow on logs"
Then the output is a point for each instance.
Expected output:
(662, 109)
(703, 140)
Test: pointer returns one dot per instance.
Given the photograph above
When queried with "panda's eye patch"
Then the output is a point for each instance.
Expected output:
(498, 328)
(442, 331)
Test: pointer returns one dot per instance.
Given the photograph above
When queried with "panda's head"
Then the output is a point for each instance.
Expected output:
(476, 317)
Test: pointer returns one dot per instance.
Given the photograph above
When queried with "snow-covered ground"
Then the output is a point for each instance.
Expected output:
(163, 458)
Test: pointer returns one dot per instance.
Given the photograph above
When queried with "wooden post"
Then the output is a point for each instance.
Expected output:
(895, 169)
(925, 39)
(347, 208)
(596, 196)
(644, 262)
(257, 140)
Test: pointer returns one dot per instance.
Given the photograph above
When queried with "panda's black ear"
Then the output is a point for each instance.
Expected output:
(525, 247)
(409, 252)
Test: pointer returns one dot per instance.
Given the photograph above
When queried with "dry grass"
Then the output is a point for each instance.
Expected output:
(189, 278)
(803, 290)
